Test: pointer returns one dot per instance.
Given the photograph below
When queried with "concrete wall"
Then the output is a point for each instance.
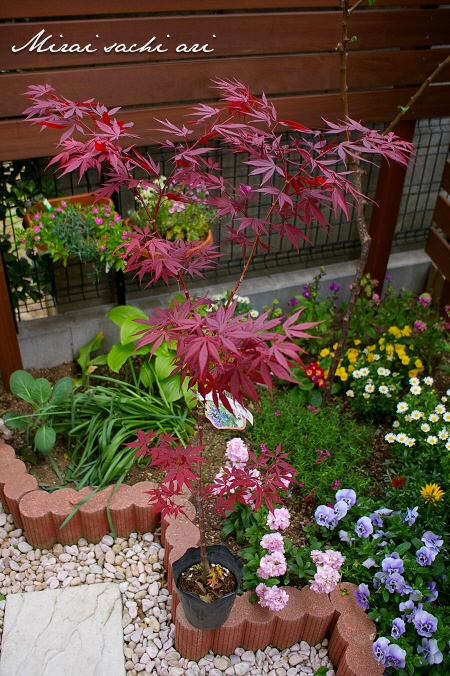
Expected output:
(53, 340)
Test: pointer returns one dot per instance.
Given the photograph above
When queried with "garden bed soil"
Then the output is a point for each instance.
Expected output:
(300, 509)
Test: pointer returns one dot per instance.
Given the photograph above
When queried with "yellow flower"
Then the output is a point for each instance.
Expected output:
(342, 373)
(413, 373)
(382, 340)
(405, 360)
(407, 330)
(335, 346)
(357, 341)
(325, 352)
(395, 331)
(370, 357)
(351, 369)
(418, 364)
(432, 493)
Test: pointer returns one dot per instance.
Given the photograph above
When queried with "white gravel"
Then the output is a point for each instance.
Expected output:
(136, 564)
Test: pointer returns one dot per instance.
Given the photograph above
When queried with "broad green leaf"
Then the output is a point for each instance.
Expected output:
(100, 360)
(41, 391)
(20, 384)
(146, 375)
(62, 390)
(84, 358)
(164, 367)
(171, 388)
(122, 312)
(45, 438)
(315, 398)
(15, 420)
(128, 331)
(118, 355)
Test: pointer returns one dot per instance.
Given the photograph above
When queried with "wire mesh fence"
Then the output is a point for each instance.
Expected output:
(39, 287)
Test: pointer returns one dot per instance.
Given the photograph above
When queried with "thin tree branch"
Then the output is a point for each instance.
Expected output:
(418, 93)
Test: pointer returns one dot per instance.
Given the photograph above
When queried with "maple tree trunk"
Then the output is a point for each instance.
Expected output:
(199, 499)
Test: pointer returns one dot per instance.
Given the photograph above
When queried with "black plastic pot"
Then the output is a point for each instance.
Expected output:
(199, 613)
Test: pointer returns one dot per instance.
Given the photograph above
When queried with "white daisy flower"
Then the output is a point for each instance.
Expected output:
(428, 380)
(444, 399)
(402, 406)
(245, 299)
(396, 423)
(350, 393)
(415, 389)
(414, 381)
(401, 438)
(364, 371)
(433, 417)
(446, 417)
(390, 358)
(376, 357)
(410, 442)
(443, 434)
(440, 408)
(366, 395)
(447, 445)
(356, 374)
(254, 313)
(408, 418)
(369, 388)
(425, 427)
(383, 389)
(448, 393)
(416, 415)
(390, 437)
(432, 440)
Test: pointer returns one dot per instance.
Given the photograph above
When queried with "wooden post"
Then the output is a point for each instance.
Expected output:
(10, 357)
(385, 210)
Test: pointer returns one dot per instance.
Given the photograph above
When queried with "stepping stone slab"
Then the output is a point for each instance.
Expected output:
(75, 631)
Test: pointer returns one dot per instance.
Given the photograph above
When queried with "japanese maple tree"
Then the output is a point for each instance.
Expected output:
(293, 174)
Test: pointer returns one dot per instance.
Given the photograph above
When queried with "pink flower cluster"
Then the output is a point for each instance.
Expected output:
(328, 564)
(424, 299)
(420, 326)
(322, 455)
(237, 452)
(272, 565)
(272, 598)
(273, 542)
(279, 519)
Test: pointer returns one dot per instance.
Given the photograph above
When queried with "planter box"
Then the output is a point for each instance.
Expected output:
(308, 616)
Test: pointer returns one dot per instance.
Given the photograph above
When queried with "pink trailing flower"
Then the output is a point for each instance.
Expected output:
(420, 326)
(273, 542)
(272, 565)
(272, 598)
(237, 452)
(279, 519)
(99, 221)
(63, 203)
(424, 299)
(325, 580)
(335, 484)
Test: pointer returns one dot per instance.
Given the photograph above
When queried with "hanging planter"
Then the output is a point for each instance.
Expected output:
(213, 614)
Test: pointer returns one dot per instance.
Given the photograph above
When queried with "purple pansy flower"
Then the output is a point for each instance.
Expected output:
(425, 556)
(324, 516)
(395, 657)
(364, 527)
(348, 495)
(380, 649)
(340, 509)
(410, 516)
(362, 594)
(395, 583)
(398, 627)
(376, 519)
(431, 540)
(392, 564)
(430, 651)
(425, 623)
(432, 596)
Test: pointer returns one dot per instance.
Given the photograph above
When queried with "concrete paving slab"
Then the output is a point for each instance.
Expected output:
(75, 631)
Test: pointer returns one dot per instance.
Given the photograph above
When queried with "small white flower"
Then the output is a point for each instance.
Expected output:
(415, 389)
(401, 438)
(366, 395)
(414, 381)
(254, 314)
(402, 406)
(440, 408)
(433, 417)
(356, 374)
(408, 418)
(432, 440)
(447, 445)
(390, 437)
(376, 357)
(350, 393)
(410, 442)
(364, 371)
(416, 415)
(425, 427)
(446, 417)
(428, 380)
(443, 434)
(245, 299)
(216, 297)
(448, 393)
(390, 358)
(369, 388)
(396, 423)
(444, 399)
(383, 389)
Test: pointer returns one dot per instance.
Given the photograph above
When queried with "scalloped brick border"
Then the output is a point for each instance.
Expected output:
(307, 617)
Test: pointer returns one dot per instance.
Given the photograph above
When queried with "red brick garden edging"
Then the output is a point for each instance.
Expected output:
(307, 617)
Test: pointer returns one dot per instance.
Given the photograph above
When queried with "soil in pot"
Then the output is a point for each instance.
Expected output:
(220, 581)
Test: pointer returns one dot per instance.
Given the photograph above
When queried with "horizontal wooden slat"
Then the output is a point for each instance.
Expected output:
(236, 35)
(19, 139)
(441, 214)
(438, 249)
(445, 183)
(11, 9)
(147, 84)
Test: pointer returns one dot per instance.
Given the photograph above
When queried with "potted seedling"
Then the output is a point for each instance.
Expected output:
(223, 357)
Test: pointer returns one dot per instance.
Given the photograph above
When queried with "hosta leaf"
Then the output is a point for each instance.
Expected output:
(45, 438)
(128, 331)
(41, 391)
(62, 390)
(171, 388)
(164, 367)
(122, 312)
(118, 355)
(20, 384)
(146, 375)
